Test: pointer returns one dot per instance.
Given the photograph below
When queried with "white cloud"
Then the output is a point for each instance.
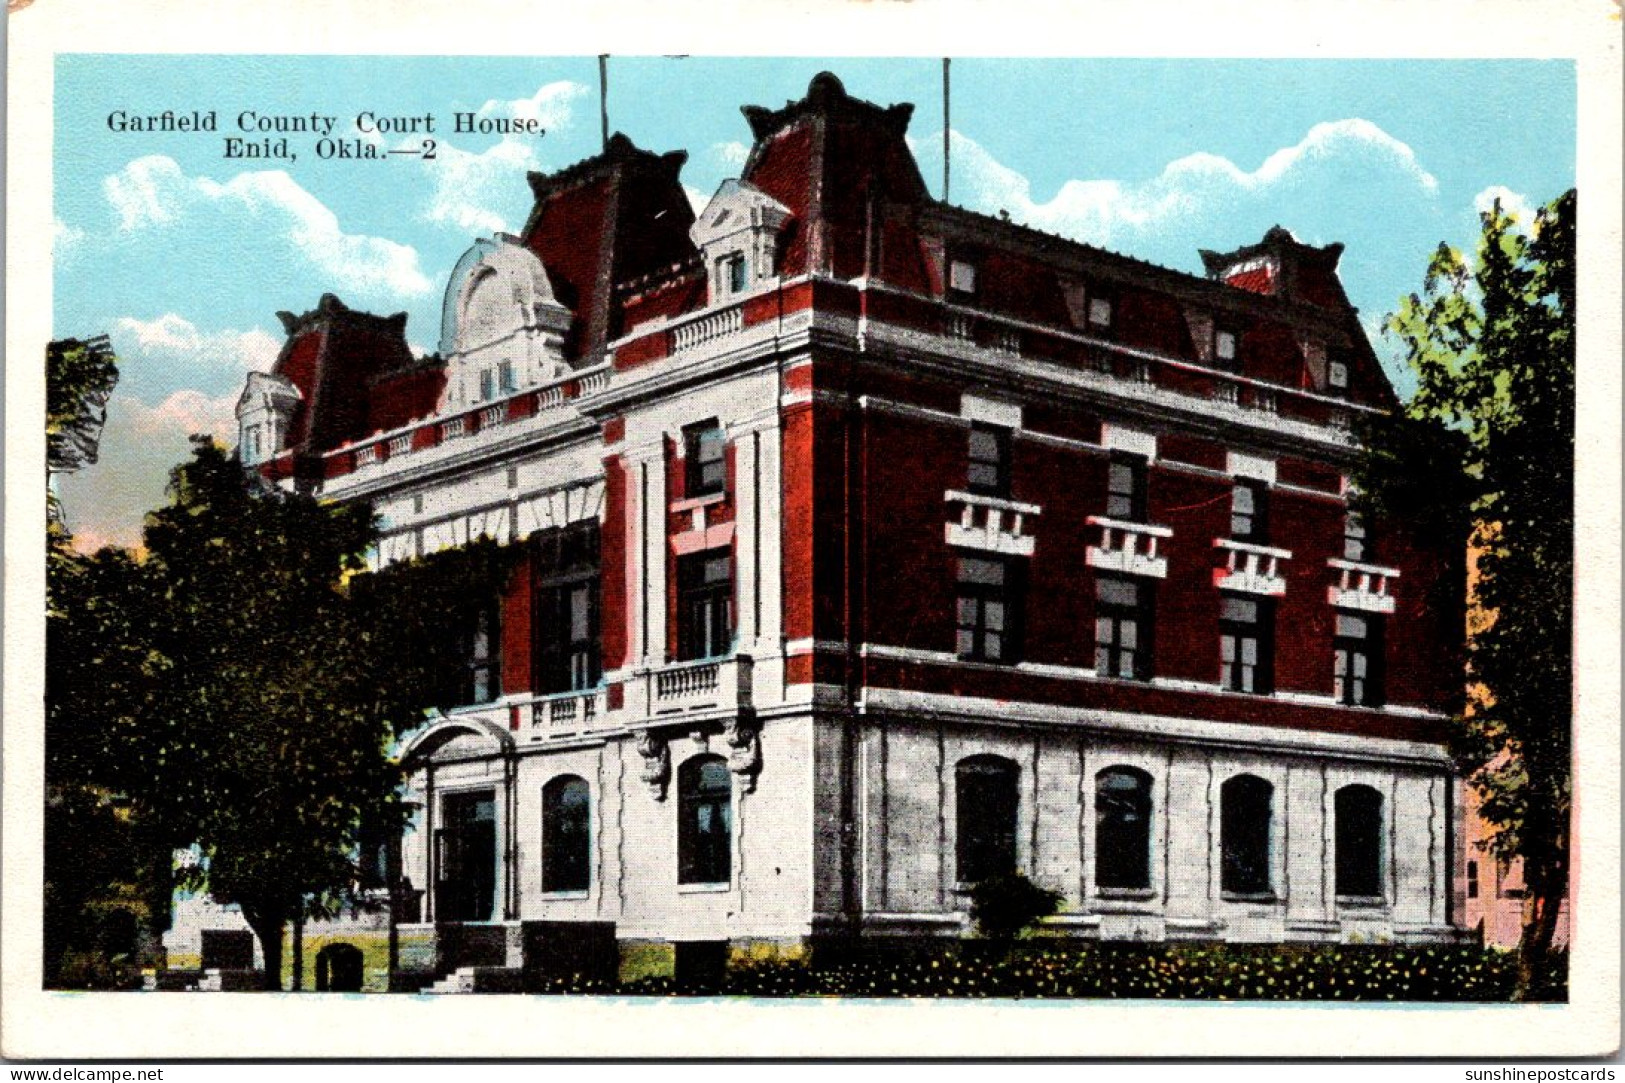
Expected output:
(732, 153)
(106, 502)
(153, 192)
(696, 198)
(246, 350)
(64, 238)
(159, 355)
(1189, 190)
(469, 188)
(1513, 203)
(552, 105)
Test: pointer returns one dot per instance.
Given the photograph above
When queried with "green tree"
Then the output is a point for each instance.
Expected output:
(106, 868)
(79, 379)
(267, 740)
(1482, 458)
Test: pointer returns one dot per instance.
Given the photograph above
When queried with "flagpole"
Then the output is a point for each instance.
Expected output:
(603, 100)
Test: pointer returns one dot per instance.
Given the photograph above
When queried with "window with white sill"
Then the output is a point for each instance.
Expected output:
(1123, 611)
(1246, 644)
(1126, 488)
(1249, 511)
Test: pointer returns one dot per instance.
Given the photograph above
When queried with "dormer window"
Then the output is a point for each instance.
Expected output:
(264, 412)
(738, 233)
(1100, 313)
(1226, 349)
(962, 276)
(1337, 376)
(733, 274)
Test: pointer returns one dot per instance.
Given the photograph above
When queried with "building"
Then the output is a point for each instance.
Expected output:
(873, 547)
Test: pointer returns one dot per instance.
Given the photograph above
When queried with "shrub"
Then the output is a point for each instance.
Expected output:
(1047, 969)
(1002, 906)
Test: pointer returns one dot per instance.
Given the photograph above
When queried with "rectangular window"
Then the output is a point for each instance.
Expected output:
(481, 683)
(1337, 376)
(962, 276)
(1249, 511)
(566, 636)
(1357, 660)
(987, 610)
(1123, 609)
(989, 470)
(1126, 488)
(487, 385)
(1225, 349)
(1246, 645)
(1100, 313)
(1356, 545)
(251, 442)
(734, 273)
(705, 592)
(1472, 879)
(505, 382)
(706, 454)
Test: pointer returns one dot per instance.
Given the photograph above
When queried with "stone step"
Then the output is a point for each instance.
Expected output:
(477, 979)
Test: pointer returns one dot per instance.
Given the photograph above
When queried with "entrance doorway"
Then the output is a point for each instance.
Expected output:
(466, 857)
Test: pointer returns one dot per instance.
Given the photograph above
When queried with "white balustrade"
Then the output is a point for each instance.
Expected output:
(593, 382)
(400, 445)
(990, 523)
(714, 683)
(566, 713)
(1251, 569)
(707, 329)
(366, 456)
(1128, 548)
(454, 427)
(1361, 586)
(492, 416)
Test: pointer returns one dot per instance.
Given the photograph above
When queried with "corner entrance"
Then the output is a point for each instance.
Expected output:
(466, 857)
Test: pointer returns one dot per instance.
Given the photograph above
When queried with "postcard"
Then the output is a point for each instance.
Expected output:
(702, 532)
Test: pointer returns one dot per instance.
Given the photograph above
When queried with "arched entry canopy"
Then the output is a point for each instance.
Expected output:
(453, 737)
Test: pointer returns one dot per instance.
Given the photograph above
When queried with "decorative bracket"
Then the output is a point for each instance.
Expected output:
(743, 735)
(656, 772)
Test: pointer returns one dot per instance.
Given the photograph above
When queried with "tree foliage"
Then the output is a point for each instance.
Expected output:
(240, 689)
(105, 866)
(1482, 459)
(267, 740)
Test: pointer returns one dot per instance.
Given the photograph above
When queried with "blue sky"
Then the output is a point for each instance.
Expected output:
(185, 257)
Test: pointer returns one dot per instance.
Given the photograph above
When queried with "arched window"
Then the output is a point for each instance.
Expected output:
(566, 834)
(985, 815)
(1122, 828)
(1359, 841)
(1244, 835)
(705, 827)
